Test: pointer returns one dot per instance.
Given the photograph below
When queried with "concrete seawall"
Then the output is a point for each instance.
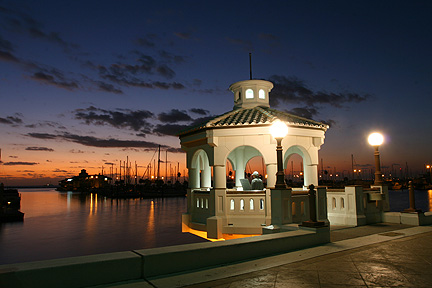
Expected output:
(108, 268)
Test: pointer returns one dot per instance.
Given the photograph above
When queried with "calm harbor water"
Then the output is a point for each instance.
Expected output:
(60, 225)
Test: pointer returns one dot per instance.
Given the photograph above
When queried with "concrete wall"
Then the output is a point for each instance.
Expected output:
(416, 219)
(355, 206)
(125, 266)
(72, 272)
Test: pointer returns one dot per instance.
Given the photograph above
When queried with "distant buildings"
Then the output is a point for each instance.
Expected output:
(84, 182)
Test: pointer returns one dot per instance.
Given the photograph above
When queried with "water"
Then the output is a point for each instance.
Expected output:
(58, 225)
(399, 200)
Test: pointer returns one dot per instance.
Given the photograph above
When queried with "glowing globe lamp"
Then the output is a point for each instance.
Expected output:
(375, 139)
(278, 129)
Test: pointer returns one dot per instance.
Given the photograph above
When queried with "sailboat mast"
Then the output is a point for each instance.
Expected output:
(158, 169)
(166, 166)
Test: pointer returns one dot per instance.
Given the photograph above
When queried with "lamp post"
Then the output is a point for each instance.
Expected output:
(279, 130)
(376, 139)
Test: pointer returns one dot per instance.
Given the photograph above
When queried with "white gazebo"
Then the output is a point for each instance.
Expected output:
(238, 136)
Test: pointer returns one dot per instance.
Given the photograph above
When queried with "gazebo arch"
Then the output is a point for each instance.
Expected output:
(200, 170)
(309, 168)
(239, 157)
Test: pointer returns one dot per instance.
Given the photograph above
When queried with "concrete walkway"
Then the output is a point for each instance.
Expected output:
(381, 255)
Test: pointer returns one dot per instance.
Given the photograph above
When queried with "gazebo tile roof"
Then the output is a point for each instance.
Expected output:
(255, 116)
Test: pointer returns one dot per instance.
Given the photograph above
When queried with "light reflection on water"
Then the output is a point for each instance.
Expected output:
(430, 199)
(60, 225)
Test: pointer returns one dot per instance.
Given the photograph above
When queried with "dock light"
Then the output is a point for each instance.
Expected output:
(430, 171)
(279, 130)
(376, 139)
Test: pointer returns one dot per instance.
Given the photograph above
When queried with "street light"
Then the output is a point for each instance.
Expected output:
(279, 130)
(376, 139)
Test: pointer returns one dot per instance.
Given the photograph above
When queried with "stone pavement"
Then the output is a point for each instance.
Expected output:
(380, 255)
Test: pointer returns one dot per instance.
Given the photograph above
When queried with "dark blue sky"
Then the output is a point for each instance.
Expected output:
(85, 83)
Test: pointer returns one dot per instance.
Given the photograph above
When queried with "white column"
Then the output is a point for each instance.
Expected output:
(194, 178)
(206, 177)
(310, 175)
(271, 175)
(240, 166)
(219, 177)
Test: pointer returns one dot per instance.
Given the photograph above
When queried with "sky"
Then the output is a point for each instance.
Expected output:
(86, 84)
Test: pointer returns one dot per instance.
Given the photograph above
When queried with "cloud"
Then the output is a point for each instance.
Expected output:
(167, 56)
(174, 129)
(147, 41)
(329, 122)
(292, 90)
(55, 79)
(98, 142)
(11, 120)
(174, 116)
(199, 111)
(106, 87)
(40, 73)
(304, 112)
(8, 57)
(20, 163)
(135, 120)
(19, 22)
(42, 135)
(39, 149)
(129, 75)
(46, 124)
(59, 171)
(169, 129)
(165, 71)
(107, 143)
(201, 120)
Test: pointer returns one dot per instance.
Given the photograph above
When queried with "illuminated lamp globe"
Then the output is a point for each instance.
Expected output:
(375, 139)
(278, 129)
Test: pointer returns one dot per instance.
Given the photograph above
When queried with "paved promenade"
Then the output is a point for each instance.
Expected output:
(381, 255)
